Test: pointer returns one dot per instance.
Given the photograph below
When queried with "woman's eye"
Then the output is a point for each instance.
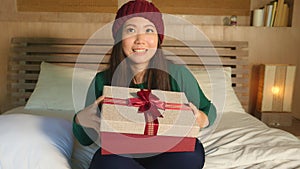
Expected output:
(130, 30)
(149, 30)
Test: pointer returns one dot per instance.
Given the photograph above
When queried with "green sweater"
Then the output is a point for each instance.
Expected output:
(181, 80)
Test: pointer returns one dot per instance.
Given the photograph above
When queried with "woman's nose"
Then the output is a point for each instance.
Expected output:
(140, 38)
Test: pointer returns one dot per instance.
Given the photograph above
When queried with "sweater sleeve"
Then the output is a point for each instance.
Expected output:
(84, 135)
(182, 80)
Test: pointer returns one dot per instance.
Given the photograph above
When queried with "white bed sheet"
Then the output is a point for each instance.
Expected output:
(239, 141)
(242, 141)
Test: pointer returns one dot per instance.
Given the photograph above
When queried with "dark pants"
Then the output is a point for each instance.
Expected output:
(173, 160)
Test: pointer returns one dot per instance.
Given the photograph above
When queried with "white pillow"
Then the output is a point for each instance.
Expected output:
(31, 142)
(82, 155)
(55, 86)
(216, 85)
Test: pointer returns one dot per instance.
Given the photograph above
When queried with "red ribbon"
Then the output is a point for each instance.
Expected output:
(148, 104)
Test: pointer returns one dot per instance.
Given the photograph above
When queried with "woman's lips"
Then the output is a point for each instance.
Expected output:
(139, 51)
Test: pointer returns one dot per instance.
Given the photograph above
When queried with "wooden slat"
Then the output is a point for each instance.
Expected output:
(91, 66)
(234, 71)
(17, 103)
(36, 67)
(212, 44)
(17, 76)
(20, 67)
(241, 90)
(240, 71)
(24, 95)
(63, 58)
(204, 52)
(63, 49)
(62, 41)
(23, 85)
(206, 61)
(240, 80)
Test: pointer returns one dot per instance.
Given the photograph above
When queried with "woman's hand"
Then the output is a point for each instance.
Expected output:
(201, 117)
(88, 116)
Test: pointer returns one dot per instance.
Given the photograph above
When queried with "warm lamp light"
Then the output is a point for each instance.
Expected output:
(275, 91)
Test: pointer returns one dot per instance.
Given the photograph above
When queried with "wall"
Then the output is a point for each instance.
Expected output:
(296, 24)
(266, 45)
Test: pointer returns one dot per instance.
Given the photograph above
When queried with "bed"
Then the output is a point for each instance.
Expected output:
(48, 79)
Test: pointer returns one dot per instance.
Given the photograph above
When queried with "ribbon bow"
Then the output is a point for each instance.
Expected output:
(147, 103)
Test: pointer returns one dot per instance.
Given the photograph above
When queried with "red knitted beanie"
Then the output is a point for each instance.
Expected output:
(139, 8)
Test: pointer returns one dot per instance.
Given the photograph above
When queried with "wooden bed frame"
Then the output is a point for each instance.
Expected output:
(28, 53)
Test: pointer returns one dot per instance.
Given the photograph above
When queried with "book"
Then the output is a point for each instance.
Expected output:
(273, 13)
(265, 9)
(269, 15)
(285, 19)
(279, 13)
(258, 17)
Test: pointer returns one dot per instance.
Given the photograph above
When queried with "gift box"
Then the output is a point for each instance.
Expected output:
(133, 119)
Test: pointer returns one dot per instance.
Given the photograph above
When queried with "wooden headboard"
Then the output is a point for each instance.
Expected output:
(28, 53)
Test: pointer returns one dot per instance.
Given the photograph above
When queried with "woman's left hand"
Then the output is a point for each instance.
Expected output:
(201, 117)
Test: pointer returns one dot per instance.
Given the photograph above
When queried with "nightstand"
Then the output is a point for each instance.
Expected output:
(280, 120)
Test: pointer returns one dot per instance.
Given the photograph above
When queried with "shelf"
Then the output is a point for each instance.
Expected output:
(206, 18)
(281, 6)
(204, 7)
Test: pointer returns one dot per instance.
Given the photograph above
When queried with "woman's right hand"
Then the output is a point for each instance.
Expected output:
(88, 116)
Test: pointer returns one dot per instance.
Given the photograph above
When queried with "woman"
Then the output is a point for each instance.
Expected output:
(137, 61)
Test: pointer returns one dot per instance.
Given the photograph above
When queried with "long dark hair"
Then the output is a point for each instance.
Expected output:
(120, 74)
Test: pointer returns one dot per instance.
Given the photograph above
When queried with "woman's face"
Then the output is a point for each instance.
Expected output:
(140, 40)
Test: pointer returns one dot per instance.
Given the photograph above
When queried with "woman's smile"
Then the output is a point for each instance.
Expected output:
(139, 51)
